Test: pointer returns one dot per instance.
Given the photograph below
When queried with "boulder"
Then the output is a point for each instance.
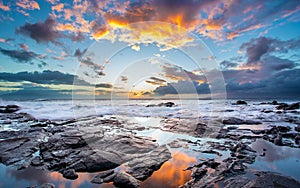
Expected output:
(240, 102)
(70, 174)
(124, 180)
(9, 108)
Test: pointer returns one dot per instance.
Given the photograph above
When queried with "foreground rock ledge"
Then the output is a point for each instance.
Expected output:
(90, 144)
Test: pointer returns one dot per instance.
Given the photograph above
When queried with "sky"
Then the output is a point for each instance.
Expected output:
(156, 48)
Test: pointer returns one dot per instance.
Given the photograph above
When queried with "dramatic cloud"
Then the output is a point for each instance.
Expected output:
(20, 56)
(176, 73)
(28, 4)
(41, 31)
(45, 77)
(259, 47)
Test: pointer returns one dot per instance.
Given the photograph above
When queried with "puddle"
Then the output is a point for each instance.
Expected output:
(281, 159)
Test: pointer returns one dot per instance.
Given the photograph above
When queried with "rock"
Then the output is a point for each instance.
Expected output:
(258, 131)
(166, 104)
(70, 174)
(36, 161)
(267, 179)
(274, 103)
(200, 128)
(297, 128)
(285, 106)
(283, 128)
(240, 102)
(237, 121)
(278, 140)
(143, 167)
(198, 173)
(9, 108)
(103, 177)
(124, 180)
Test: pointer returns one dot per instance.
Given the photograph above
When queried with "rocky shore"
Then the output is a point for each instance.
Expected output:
(112, 147)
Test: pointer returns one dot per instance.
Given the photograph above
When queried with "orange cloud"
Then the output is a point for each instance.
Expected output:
(65, 27)
(4, 7)
(28, 4)
(58, 7)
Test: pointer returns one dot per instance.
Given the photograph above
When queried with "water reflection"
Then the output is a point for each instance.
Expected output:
(171, 173)
(10, 177)
(282, 159)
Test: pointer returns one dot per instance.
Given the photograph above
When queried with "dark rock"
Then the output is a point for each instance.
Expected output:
(9, 108)
(272, 180)
(258, 131)
(240, 102)
(283, 128)
(124, 180)
(36, 161)
(237, 121)
(278, 140)
(200, 128)
(297, 128)
(70, 174)
(198, 173)
(103, 177)
(166, 104)
(284, 106)
(211, 152)
(274, 103)
(143, 167)
(297, 139)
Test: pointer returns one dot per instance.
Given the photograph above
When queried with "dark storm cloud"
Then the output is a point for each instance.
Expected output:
(41, 31)
(257, 48)
(30, 92)
(124, 79)
(183, 87)
(20, 56)
(45, 77)
(156, 81)
(227, 64)
(78, 53)
(104, 85)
